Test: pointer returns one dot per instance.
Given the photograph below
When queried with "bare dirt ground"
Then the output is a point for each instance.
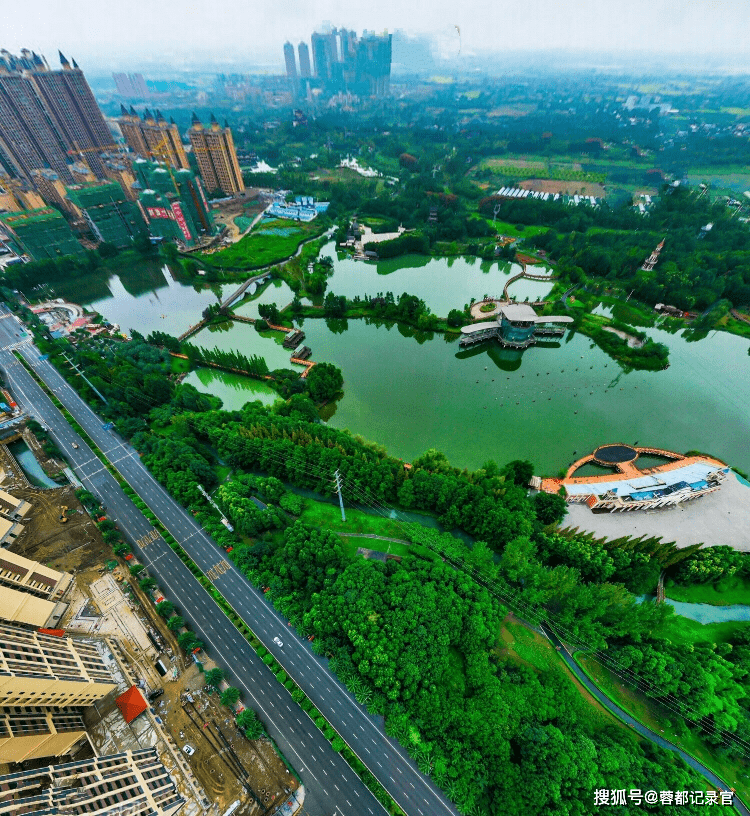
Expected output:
(224, 214)
(513, 111)
(535, 165)
(588, 188)
(228, 766)
(67, 546)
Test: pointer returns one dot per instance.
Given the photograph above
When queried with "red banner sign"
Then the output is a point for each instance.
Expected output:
(180, 218)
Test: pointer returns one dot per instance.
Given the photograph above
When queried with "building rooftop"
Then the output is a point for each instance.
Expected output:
(131, 703)
(689, 474)
(29, 575)
(478, 327)
(20, 607)
(518, 311)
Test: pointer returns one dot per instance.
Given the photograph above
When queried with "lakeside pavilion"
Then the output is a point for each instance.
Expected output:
(679, 479)
(516, 325)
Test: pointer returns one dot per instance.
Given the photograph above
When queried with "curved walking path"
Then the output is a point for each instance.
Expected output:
(528, 275)
(373, 535)
(613, 708)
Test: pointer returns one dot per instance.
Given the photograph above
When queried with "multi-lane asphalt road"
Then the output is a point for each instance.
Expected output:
(331, 786)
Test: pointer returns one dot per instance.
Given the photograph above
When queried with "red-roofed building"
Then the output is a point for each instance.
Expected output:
(131, 703)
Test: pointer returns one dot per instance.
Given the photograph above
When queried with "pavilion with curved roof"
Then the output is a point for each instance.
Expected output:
(517, 325)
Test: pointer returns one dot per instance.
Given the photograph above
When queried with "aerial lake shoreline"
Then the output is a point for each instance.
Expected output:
(411, 390)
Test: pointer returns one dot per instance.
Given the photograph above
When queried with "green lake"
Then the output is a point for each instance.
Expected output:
(443, 283)
(551, 403)
(147, 298)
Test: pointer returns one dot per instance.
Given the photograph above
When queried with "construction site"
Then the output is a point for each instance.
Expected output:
(161, 701)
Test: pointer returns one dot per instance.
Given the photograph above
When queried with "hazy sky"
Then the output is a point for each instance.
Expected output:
(133, 33)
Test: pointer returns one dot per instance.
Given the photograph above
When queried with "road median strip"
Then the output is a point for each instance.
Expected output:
(330, 733)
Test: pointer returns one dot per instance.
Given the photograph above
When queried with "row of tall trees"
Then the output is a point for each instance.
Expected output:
(487, 503)
(253, 365)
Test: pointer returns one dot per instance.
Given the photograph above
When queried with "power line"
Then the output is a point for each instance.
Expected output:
(667, 699)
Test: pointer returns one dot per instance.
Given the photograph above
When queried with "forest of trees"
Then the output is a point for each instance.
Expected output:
(695, 268)
(417, 640)
(651, 356)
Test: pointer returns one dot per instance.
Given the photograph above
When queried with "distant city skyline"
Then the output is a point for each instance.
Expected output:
(138, 34)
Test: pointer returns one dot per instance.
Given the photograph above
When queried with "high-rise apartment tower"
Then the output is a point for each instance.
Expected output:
(153, 137)
(48, 118)
(304, 61)
(44, 670)
(217, 159)
(290, 61)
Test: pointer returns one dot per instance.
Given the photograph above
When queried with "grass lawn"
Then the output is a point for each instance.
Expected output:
(729, 591)
(328, 516)
(631, 312)
(681, 630)
(222, 471)
(371, 221)
(658, 719)
(521, 231)
(351, 545)
(180, 366)
(262, 247)
(737, 327)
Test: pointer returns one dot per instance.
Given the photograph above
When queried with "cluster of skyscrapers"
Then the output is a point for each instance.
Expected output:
(342, 63)
(131, 86)
(62, 171)
(49, 118)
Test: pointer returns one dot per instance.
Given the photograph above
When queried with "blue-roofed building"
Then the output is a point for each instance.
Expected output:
(676, 481)
(305, 208)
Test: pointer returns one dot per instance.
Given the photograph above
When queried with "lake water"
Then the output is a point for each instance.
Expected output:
(234, 389)
(443, 283)
(146, 298)
(551, 403)
(275, 291)
(707, 613)
(243, 337)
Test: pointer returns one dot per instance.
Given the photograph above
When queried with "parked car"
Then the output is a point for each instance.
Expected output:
(155, 694)
(188, 749)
